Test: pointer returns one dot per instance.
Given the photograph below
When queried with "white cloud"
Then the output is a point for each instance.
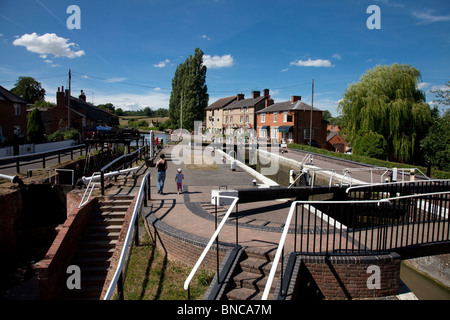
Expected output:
(423, 85)
(216, 62)
(204, 36)
(428, 17)
(312, 63)
(337, 56)
(113, 80)
(154, 99)
(49, 43)
(162, 64)
(391, 4)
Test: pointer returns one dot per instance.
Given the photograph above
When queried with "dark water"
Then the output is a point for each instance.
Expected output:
(423, 287)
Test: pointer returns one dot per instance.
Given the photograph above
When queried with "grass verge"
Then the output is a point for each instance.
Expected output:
(152, 275)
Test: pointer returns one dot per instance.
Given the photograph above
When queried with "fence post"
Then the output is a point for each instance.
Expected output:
(102, 182)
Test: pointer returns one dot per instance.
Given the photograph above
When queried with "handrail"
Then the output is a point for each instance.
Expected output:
(83, 202)
(133, 221)
(393, 183)
(291, 213)
(30, 155)
(210, 243)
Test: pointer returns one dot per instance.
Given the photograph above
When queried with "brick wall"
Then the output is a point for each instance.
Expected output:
(10, 209)
(347, 277)
(52, 269)
(185, 247)
(9, 119)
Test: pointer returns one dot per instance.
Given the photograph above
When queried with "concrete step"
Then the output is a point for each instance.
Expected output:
(113, 208)
(91, 260)
(102, 236)
(95, 228)
(255, 265)
(249, 280)
(108, 220)
(98, 243)
(243, 294)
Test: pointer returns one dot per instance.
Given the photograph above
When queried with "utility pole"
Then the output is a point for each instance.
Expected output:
(181, 120)
(312, 107)
(68, 105)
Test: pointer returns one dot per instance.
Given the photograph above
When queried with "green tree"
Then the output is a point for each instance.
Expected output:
(387, 100)
(119, 112)
(108, 107)
(436, 145)
(443, 97)
(29, 89)
(35, 127)
(370, 144)
(189, 88)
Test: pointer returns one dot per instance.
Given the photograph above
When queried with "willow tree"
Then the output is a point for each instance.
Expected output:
(189, 91)
(387, 100)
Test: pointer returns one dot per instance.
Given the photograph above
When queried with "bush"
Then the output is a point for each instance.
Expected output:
(370, 144)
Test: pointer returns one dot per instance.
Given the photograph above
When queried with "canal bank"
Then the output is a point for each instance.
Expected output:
(428, 277)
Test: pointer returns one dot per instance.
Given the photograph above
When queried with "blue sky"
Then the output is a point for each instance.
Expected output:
(126, 52)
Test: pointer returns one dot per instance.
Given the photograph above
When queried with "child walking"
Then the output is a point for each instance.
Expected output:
(179, 179)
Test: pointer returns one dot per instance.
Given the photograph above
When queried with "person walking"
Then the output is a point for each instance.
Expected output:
(179, 179)
(161, 168)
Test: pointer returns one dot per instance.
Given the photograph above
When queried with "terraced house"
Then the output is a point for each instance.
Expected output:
(292, 122)
(242, 113)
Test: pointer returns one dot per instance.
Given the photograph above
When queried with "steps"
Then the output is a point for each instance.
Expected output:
(251, 275)
(97, 246)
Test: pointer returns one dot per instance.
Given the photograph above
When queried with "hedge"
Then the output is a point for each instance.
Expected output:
(436, 174)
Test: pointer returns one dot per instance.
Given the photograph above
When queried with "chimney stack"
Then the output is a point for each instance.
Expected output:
(82, 96)
(269, 102)
(240, 97)
(256, 94)
(266, 93)
(296, 98)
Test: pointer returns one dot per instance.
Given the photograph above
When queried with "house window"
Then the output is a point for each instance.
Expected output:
(306, 134)
(226, 119)
(242, 119)
(218, 119)
(231, 119)
(246, 119)
(263, 118)
(18, 130)
(285, 114)
(275, 117)
(17, 109)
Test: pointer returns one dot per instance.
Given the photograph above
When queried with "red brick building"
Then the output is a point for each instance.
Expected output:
(83, 115)
(13, 118)
(336, 143)
(290, 122)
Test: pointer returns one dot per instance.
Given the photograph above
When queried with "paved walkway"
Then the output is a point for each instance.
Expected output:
(177, 210)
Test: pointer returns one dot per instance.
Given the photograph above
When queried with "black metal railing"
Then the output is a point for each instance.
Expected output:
(123, 162)
(41, 157)
(371, 226)
(368, 226)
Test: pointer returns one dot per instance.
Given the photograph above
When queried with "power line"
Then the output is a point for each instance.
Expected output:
(120, 82)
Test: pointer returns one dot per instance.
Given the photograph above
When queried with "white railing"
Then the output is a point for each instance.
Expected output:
(310, 203)
(90, 186)
(134, 219)
(211, 241)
